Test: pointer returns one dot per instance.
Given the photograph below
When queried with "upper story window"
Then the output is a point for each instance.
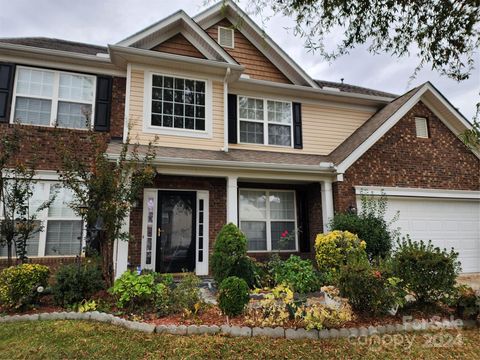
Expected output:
(421, 127)
(178, 103)
(263, 121)
(47, 97)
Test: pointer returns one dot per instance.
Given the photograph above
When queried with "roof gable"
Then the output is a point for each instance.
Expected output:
(382, 121)
(257, 65)
(172, 25)
(231, 11)
(179, 44)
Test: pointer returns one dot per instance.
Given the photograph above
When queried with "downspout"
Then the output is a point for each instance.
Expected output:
(225, 110)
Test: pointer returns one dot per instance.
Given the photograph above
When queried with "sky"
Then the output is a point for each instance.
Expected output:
(109, 21)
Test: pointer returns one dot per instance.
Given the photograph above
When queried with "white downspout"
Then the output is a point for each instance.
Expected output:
(225, 110)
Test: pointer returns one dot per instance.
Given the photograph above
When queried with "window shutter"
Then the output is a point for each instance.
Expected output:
(103, 103)
(232, 119)
(304, 235)
(297, 126)
(7, 72)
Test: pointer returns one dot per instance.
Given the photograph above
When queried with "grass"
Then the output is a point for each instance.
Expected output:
(85, 340)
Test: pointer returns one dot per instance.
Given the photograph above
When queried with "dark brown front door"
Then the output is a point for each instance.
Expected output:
(176, 231)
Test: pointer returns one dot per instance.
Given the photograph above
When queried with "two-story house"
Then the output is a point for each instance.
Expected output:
(245, 135)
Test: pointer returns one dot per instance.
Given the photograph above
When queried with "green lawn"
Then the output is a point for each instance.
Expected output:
(81, 340)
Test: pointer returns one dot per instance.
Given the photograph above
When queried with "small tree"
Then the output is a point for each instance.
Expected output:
(17, 180)
(106, 187)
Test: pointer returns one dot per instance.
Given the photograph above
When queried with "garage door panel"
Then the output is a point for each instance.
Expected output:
(447, 222)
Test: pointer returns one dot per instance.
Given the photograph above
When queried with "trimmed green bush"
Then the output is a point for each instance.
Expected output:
(369, 289)
(233, 296)
(428, 272)
(230, 258)
(19, 284)
(298, 274)
(186, 295)
(75, 283)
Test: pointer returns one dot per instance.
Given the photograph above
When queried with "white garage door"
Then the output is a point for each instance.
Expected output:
(447, 222)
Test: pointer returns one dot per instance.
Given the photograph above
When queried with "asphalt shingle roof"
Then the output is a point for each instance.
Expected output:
(56, 44)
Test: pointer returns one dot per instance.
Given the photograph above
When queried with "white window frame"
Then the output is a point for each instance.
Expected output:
(43, 218)
(55, 99)
(147, 107)
(268, 220)
(425, 121)
(265, 122)
(233, 37)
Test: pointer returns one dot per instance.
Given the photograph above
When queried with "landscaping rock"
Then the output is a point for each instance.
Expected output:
(363, 331)
(390, 329)
(354, 332)
(161, 329)
(213, 329)
(208, 296)
(139, 326)
(301, 334)
(277, 332)
(399, 328)
(193, 330)
(381, 330)
(372, 330)
(177, 330)
(71, 316)
(101, 317)
(344, 333)
(50, 316)
(119, 321)
(236, 330)
(324, 334)
(334, 333)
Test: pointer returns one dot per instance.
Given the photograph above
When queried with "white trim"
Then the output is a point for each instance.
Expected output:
(397, 116)
(268, 220)
(265, 121)
(128, 90)
(121, 250)
(232, 199)
(55, 98)
(418, 192)
(152, 193)
(148, 128)
(201, 267)
(232, 32)
(227, 9)
(327, 203)
(419, 123)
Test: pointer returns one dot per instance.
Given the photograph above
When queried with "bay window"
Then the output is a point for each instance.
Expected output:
(268, 219)
(266, 122)
(49, 98)
(61, 226)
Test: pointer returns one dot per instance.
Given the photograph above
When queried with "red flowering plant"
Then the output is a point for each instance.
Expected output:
(287, 238)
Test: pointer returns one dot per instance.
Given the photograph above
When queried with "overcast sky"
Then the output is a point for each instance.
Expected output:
(109, 21)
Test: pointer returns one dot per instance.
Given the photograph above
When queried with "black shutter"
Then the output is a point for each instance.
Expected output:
(232, 119)
(304, 237)
(297, 126)
(103, 103)
(7, 72)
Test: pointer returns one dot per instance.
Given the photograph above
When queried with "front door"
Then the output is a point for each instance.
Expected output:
(176, 231)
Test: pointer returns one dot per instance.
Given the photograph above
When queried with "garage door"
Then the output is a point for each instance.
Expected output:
(447, 222)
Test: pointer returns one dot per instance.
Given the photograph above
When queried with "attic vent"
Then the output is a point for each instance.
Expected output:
(421, 127)
(225, 37)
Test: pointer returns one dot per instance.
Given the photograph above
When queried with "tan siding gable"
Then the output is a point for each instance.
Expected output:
(257, 66)
(179, 45)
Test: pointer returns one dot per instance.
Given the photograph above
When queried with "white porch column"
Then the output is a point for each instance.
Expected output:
(120, 248)
(232, 200)
(327, 202)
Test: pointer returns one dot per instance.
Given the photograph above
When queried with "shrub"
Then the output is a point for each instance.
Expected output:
(368, 288)
(75, 283)
(297, 273)
(233, 296)
(429, 273)
(466, 302)
(318, 316)
(373, 230)
(333, 248)
(135, 291)
(19, 284)
(230, 258)
(186, 295)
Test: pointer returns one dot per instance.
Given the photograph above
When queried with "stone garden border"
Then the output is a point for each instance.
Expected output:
(245, 331)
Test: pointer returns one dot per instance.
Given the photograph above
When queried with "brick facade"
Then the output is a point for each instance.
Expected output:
(400, 159)
(217, 208)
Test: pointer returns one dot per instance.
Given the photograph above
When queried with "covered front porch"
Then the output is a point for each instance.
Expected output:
(175, 223)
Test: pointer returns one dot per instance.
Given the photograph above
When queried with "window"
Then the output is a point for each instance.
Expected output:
(265, 216)
(421, 127)
(46, 97)
(265, 121)
(178, 103)
(225, 37)
(62, 227)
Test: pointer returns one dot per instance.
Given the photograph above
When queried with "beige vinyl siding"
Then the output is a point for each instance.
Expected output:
(136, 118)
(324, 128)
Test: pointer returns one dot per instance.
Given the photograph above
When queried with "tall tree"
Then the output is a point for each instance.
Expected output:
(106, 188)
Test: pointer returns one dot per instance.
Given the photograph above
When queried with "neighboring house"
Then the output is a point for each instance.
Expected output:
(244, 136)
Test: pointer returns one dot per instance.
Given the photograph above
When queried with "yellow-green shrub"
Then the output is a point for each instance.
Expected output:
(318, 316)
(18, 284)
(332, 249)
